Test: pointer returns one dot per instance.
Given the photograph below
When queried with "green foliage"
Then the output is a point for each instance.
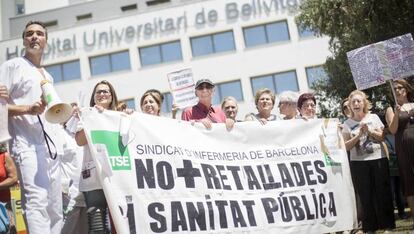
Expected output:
(351, 24)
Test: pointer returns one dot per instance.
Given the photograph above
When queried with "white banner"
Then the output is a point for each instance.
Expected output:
(182, 88)
(4, 131)
(374, 64)
(166, 176)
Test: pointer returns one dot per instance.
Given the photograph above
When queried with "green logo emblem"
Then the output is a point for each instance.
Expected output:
(49, 98)
(118, 153)
(329, 161)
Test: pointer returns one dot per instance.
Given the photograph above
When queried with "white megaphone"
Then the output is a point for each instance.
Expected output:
(57, 111)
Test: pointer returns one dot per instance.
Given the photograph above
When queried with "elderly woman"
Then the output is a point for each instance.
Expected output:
(287, 105)
(307, 106)
(265, 101)
(401, 124)
(151, 102)
(230, 108)
(363, 134)
(103, 98)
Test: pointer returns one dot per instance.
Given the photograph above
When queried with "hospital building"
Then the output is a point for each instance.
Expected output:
(241, 45)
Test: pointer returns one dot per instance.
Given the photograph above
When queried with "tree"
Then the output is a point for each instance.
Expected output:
(351, 24)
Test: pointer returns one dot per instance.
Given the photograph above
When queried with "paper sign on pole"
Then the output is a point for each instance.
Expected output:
(182, 88)
(374, 64)
(172, 177)
(4, 131)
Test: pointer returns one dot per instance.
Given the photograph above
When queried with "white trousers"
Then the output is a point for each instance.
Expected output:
(40, 185)
(76, 221)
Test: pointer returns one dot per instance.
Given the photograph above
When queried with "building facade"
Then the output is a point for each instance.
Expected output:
(241, 45)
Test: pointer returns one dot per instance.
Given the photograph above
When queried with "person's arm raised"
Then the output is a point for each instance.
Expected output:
(391, 117)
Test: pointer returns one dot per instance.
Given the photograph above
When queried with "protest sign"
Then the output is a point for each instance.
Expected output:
(182, 88)
(374, 64)
(167, 176)
(4, 131)
(16, 204)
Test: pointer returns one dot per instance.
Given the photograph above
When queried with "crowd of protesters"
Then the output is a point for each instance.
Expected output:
(52, 160)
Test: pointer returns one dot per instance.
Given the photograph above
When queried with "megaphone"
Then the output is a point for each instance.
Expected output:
(57, 111)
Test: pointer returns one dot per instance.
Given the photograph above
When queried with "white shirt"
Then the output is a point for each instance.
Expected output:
(357, 152)
(22, 79)
(89, 179)
(71, 165)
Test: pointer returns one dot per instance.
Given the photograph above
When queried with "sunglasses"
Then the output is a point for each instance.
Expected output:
(103, 91)
(398, 88)
(204, 86)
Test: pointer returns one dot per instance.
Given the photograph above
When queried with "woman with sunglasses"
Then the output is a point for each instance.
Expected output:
(103, 98)
(401, 124)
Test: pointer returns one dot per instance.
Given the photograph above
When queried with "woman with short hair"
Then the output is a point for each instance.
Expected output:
(265, 100)
(288, 104)
(307, 106)
(363, 136)
(230, 107)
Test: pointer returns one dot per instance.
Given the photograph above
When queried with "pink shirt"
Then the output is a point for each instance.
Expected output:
(199, 111)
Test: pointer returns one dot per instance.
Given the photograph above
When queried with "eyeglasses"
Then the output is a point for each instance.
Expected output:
(309, 105)
(398, 88)
(286, 103)
(204, 86)
(103, 92)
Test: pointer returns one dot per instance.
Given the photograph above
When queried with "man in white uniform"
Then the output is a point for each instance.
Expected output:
(39, 174)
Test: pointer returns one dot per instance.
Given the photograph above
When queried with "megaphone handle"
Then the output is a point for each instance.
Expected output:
(47, 139)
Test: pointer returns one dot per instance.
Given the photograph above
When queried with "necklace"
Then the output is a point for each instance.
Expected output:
(409, 111)
(407, 107)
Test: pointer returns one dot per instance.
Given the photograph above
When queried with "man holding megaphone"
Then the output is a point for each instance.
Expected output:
(34, 143)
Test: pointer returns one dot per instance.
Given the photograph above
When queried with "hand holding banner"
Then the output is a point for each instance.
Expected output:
(175, 178)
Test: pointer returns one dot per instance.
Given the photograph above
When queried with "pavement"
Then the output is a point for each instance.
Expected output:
(402, 226)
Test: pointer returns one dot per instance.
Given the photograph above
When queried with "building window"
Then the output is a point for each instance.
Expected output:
(156, 2)
(266, 33)
(110, 63)
(84, 17)
(51, 23)
(19, 7)
(160, 53)
(64, 71)
(278, 82)
(130, 103)
(223, 90)
(129, 7)
(315, 74)
(305, 32)
(167, 103)
(213, 43)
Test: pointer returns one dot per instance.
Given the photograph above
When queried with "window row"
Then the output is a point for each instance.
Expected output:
(171, 51)
(277, 82)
